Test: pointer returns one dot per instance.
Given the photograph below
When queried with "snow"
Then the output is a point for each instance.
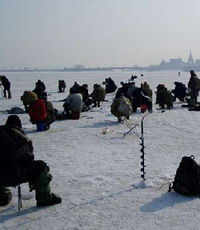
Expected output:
(96, 167)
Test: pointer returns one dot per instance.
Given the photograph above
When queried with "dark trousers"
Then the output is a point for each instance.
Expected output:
(5, 94)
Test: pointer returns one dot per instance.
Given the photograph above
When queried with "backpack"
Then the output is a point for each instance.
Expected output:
(38, 111)
(187, 178)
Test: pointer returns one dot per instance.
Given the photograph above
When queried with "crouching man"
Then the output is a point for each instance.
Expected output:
(121, 107)
(73, 106)
(17, 165)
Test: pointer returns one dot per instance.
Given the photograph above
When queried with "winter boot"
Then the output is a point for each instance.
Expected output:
(5, 196)
(192, 102)
(119, 119)
(44, 197)
(9, 95)
(53, 199)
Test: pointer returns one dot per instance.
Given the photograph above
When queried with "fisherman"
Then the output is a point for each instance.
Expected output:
(121, 107)
(73, 106)
(110, 85)
(6, 86)
(98, 94)
(75, 88)
(146, 89)
(87, 100)
(28, 98)
(41, 113)
(40, 90)
(193, 88)
(17, 165)
(61, 86)
(164, 97)
(180, 91)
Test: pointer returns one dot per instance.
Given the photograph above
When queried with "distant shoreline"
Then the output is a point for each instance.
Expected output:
(124, 69)
(75, 70)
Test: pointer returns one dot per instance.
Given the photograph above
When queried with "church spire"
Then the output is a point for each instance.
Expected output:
(190, 59)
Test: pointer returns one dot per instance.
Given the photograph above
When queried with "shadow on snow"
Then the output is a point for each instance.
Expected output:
(165, 200)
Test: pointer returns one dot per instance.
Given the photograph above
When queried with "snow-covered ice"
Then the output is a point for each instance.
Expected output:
(96, 168)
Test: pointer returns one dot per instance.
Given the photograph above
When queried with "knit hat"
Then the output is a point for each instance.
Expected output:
(14, 120)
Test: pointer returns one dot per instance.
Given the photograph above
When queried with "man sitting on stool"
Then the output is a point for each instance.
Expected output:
(17, 165)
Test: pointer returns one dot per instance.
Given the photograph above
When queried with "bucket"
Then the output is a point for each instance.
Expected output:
(40, 126)
(75, 115)
(143, 108)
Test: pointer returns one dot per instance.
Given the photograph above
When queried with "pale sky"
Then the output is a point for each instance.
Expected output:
(58, 33)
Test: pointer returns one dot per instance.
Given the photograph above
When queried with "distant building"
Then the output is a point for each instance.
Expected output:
(178, 64)
(190, 59)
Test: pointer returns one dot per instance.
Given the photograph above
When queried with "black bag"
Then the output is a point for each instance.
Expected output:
(187, 178)
(5, 196)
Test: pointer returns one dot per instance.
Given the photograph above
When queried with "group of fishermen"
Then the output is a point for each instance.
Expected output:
(129, 97)
(127, 100)
(189, 94)
(17, 163)
(43, 114)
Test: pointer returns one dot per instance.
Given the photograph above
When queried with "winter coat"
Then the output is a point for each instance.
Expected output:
(40, 84)
(61, 85)
(51, 117)
(38, 111)
(179, 91)
(164, 97)
(137, 97)
(74, 103)
(98, 93)
(84, 91)
(75, 88)
(131, 89)
(5, 82)
(121, 107)
(147, 90)
(40, 90)
(194, 86)
(16, 156)
(110, 86)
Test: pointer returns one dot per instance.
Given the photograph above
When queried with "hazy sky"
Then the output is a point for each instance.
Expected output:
(58, 33)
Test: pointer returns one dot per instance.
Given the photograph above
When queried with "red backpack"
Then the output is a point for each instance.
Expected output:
(38, 111)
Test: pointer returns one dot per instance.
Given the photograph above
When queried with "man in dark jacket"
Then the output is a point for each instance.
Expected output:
(180, 91)
(40, 90)
(17, 165)
(110, 85)
(193, 88)
(164, 97)
(98, 94)
(6, 86)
